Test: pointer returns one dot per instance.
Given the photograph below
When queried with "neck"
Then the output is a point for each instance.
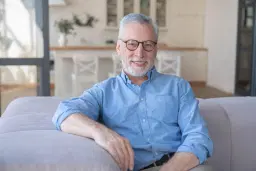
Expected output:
(137, 80)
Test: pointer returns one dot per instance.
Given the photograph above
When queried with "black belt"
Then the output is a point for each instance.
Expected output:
(160, 162)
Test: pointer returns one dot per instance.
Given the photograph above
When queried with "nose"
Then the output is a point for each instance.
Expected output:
(139, 51)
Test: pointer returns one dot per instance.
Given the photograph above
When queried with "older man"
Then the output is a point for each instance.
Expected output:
(148, 120)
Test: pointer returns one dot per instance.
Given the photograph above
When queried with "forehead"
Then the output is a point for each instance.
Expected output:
(140, 32)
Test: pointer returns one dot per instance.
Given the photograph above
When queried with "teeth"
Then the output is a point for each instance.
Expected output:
(138, 62)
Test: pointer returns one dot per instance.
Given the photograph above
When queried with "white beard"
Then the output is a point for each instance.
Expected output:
(129, 70)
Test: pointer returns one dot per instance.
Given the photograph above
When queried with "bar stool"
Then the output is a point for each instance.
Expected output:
(169, 63)
(117, 65)
(85, 72)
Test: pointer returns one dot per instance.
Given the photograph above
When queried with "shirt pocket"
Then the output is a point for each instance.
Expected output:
(165, 109)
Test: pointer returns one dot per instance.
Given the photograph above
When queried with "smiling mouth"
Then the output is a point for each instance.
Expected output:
(139, 63)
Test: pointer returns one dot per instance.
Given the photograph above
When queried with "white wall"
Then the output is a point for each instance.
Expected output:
(220, 39)
(186, 22)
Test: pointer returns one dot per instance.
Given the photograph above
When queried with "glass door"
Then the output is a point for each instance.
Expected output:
(245, 62)
(24, 49)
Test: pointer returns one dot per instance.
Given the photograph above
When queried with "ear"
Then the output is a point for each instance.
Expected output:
(118, 47)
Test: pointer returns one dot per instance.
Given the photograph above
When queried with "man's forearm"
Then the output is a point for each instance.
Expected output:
(182, 161)
(80, 124)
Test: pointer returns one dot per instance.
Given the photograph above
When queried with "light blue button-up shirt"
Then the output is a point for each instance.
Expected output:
(158, 117)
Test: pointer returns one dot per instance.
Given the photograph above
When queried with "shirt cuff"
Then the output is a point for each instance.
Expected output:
(198, 150)
(58, 119)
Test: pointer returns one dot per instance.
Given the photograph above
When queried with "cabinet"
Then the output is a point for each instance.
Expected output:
(116, 9)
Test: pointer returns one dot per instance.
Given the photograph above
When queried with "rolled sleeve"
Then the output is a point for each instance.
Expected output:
(88, 104)
(195, 135)
(198, 150)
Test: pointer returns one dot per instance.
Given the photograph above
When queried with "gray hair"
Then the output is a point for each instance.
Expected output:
(137, 18)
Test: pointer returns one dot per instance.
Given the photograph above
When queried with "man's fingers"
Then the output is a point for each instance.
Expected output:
(125, 153)
(131, 155)
(121, 155)
(114, 154)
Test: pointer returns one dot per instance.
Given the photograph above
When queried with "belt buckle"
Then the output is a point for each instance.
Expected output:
(155, 163)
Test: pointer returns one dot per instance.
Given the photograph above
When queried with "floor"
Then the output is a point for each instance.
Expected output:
(11, 93)
(208, 92)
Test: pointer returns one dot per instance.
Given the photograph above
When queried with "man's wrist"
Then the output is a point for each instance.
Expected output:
(97, 129)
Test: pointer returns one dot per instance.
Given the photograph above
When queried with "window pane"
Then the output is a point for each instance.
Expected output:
(20, 36)
(246, 39)
(249, 22)
(249, 11)
(145, 7)
(161, 13)
(244, 70)
(112, 13)
(247, 17)
(128, 7)
(17, 81)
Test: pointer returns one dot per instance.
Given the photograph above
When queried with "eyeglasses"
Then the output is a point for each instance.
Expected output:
(132, 45)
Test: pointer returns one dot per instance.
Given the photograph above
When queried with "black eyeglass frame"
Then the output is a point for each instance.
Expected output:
(125, 41)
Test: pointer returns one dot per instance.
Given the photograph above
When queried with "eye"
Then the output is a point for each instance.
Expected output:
(148, 45)
(132, 43)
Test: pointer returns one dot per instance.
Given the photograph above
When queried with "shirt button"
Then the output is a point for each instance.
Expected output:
(144, 120)
(141, 99)
(148, 139)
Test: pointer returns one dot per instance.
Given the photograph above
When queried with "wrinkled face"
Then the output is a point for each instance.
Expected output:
(137, 58)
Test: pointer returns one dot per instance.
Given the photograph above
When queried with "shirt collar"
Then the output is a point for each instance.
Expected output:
(150, 75)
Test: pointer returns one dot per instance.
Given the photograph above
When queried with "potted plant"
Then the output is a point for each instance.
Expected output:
(65, 27)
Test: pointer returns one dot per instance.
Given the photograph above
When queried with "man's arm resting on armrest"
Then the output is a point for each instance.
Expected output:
(81, 125)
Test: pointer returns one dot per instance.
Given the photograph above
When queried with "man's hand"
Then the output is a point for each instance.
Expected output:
(118, 146)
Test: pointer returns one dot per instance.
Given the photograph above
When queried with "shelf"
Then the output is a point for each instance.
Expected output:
(111, 28)
(163, 29)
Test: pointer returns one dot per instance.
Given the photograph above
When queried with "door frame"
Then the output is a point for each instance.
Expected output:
(239, 90)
